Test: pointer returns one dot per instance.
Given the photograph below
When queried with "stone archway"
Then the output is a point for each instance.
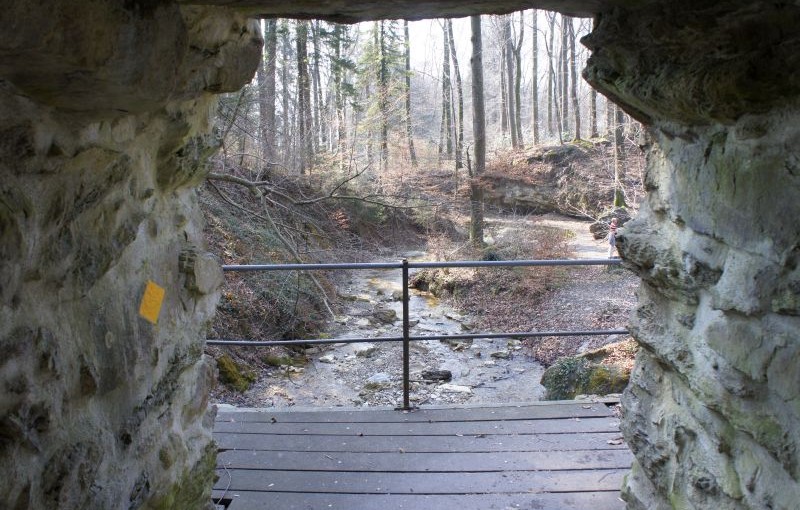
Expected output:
(104, 134)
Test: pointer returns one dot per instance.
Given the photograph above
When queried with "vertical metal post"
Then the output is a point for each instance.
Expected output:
(406, 336)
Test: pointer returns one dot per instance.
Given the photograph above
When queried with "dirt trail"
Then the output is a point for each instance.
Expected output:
(583, 244)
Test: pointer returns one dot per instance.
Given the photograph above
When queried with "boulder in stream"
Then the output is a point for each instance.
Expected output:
(365, 350)
(437, 375)
(378, 381)
(384, 315)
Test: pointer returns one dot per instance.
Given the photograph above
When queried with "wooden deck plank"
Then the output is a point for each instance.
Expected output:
(592, 480)
(549, 426)
(561, 456)
(426, 462)
(431, 444)
(246, 500)
(521, 412)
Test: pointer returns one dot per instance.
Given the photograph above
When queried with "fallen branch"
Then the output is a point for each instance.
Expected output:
(268, 218)
(255, 188)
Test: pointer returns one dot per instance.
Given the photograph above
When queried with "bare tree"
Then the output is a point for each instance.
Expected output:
(573, 76)
(266, 95)
(446, 131)
(535, 79)
(509, 52)
(459, 138)
(479, 134)
(551, 75)
(517, 50)
(286, 118)
(383, 92)
(305, 123)
(500, 32)
(409, 132)
(318, 117)
(564, 77)
(619, 157)
(337, 73)
(593, 113)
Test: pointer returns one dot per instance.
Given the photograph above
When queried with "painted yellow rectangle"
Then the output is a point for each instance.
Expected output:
(153, 297)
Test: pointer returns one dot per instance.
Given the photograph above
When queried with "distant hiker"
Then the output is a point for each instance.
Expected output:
(612, 237)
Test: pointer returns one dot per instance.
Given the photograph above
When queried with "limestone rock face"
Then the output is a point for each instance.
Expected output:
(713, 410)
(104, 110)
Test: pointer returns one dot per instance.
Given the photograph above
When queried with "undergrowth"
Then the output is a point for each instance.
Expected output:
(487, 292)
(288, 305)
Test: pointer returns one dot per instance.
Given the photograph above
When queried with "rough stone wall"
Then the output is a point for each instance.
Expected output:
(104, 128)
(713, 410)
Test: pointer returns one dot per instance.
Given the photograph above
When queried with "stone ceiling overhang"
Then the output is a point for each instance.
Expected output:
(350, 11)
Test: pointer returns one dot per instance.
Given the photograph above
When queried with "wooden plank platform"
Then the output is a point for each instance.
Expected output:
(561, 455)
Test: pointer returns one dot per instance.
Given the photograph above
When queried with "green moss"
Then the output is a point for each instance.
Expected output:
(576, 375)
(604, 379)
(231, 375)
(278, 361)
(565, 378)
(193, 489)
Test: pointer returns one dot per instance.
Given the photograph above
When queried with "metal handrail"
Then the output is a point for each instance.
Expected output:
(406, 338)
(421, 265)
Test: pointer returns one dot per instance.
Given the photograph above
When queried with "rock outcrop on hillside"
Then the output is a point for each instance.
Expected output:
(575, 179)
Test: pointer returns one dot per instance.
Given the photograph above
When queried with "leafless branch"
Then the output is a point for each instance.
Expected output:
(268, 218)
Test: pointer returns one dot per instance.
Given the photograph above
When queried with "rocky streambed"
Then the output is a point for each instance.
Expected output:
(370, 373)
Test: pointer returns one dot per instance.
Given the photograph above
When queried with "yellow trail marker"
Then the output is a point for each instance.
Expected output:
(151, 302)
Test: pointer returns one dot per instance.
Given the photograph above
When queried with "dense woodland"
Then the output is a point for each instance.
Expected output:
(349, 105)
(351, 138)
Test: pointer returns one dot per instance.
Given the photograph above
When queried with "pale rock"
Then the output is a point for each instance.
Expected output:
(455, 388)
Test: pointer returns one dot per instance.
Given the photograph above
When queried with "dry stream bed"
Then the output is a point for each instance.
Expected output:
(370, 373)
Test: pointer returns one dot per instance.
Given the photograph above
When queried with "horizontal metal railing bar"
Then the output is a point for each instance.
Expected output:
(405, 265)
(516, 263)
(527, 334)
(311, 267)
(421, 265)
(315, 341)
(417, 338)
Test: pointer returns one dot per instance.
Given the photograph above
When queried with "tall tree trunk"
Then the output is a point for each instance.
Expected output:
(593, 112)
(370, 141)
(551, 75)
(241, 134)
(518, 81)
(573, 93)
(564, 91)
(304, 121)
(286, 49)
(556, 104)
(383, 93)
(510, 80)
(266, 97)
(610, 119)
(619, 157)
(337, 70)
(535, 79)
(409, 131)
(459, 96)
(479, 135)
(503, 88)
(319, 119)
(446, 143)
